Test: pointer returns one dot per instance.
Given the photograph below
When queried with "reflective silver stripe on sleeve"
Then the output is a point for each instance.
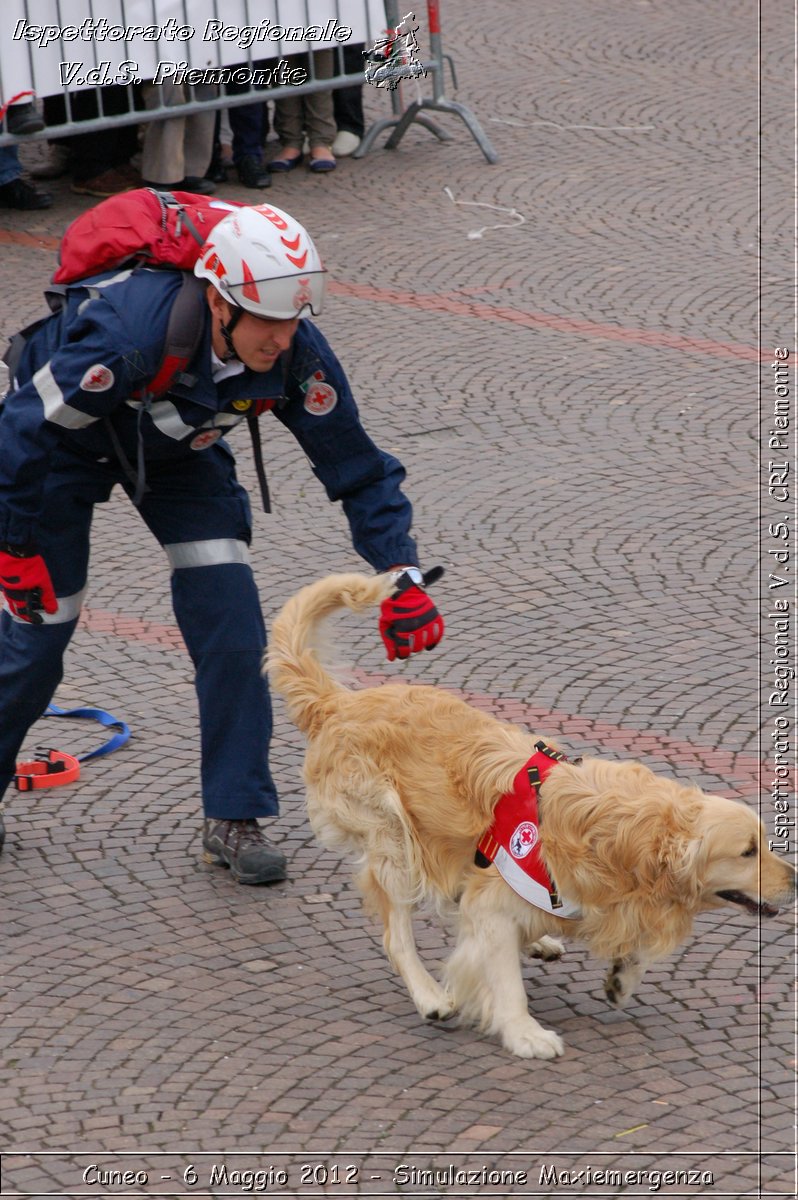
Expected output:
(167, 419)
(68, 610)
(213, 553)
(55, 407)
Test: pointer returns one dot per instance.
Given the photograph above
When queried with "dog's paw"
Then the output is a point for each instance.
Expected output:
(441, 1013)
(622, 978)
(437, 1004)
(547, 948)
(531, 1040)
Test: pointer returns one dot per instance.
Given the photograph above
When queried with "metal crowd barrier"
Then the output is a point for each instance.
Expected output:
(30, 50)
(402, 119)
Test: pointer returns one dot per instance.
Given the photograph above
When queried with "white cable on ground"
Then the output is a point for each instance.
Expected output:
(477, 233)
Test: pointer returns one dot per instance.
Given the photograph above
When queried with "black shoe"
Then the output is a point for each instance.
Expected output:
(22, 119)
(192, 183)
(217, 172)
(23, 195)
(2, 829)
(252, 174)
(241, 846)
(197, 185)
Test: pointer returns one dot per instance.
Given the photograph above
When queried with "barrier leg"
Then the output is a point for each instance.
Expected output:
(374, 131)
(442, 105)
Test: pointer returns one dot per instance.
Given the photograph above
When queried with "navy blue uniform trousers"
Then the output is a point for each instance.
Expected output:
(200, 514)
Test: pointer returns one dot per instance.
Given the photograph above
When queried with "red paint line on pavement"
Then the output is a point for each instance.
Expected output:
(132, 629)
(539, 320)
(743, 771)
(15, 237)
(450, 305)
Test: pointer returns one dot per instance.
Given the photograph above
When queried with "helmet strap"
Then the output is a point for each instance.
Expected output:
(227, 332)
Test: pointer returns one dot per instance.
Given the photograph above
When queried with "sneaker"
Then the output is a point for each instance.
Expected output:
(241, 846)
(109, 183)
(54, 165)
(22, 119)
(253, 174)
(345, 143)
(23, 195)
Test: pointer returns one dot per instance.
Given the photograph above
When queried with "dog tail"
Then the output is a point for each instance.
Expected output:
(293, 661)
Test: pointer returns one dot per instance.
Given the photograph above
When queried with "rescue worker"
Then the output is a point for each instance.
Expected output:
(78, 421)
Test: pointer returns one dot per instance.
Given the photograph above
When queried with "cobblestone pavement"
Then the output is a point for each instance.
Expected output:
(574, 395)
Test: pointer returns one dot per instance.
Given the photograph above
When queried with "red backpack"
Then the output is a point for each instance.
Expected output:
(146, 227)
(139, 228)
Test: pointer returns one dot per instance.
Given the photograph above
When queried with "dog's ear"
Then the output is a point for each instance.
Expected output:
(682, 860)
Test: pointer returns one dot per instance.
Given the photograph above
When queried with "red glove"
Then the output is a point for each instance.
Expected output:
(26, 584)
(409, 621)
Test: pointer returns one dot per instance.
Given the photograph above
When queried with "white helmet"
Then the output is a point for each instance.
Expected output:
(263, 261)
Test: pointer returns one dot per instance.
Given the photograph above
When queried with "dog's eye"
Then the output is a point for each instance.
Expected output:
(749, 853)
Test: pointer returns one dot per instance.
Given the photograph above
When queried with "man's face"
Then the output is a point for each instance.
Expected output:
(258, 341)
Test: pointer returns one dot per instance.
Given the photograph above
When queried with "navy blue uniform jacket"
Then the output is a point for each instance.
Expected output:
(86, 363)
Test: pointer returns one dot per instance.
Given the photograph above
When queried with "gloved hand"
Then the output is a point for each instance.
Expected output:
(409, 621)
(26, 584)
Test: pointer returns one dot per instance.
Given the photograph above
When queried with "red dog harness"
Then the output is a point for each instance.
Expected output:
(512, 843)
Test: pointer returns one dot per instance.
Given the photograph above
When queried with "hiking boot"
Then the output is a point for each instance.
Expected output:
(241, 846)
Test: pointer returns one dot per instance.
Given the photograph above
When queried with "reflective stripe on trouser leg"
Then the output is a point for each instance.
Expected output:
(31, 668)
(218, 611)
(213, 552)
(68, 610)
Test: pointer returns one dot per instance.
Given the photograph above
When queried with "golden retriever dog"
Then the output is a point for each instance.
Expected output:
(408, 777)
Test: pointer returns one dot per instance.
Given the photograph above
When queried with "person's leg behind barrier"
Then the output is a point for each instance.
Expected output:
(200, 515)
(163, 150)
(318, 107)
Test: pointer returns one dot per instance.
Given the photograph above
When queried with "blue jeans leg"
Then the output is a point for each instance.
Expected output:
(10, 168)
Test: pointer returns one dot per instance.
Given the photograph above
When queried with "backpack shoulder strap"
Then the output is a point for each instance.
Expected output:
(183, 335)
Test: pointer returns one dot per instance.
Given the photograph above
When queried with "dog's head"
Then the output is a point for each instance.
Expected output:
(644, 854)
(735, 864)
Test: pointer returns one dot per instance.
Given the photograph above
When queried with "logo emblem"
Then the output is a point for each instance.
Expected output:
(242, 405)
(205, 439)
(97, 379)
(523, 840)
(320, 398)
